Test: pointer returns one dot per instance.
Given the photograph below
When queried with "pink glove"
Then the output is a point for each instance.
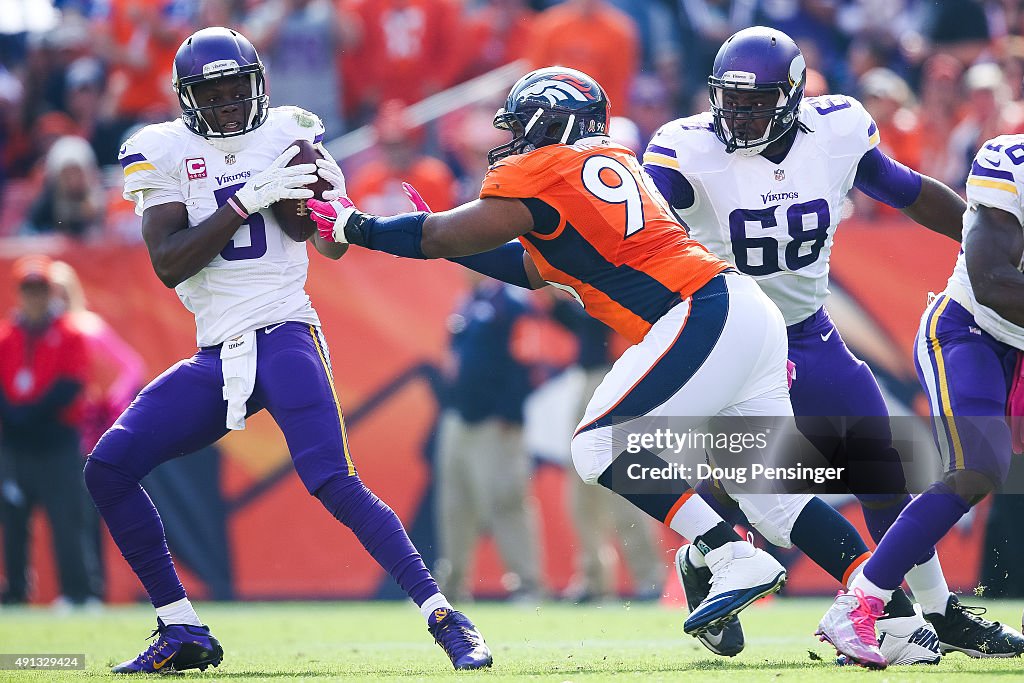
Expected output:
(326, 214)
(1015, 406)
(415, 198)
(790, 373)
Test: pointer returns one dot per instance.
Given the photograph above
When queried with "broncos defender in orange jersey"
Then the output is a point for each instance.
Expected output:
(706, 341)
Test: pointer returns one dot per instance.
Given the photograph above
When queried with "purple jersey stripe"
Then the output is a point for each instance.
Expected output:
(131, 159)
(318, 138)
(872, 129)
(978, 169)
(658, 149)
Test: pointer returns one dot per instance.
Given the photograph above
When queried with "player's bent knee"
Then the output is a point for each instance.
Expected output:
(971, 485)
(773, 515)
(591, 453)
(107, 483)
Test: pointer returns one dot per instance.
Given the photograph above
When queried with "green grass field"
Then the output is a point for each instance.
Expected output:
(556, 642)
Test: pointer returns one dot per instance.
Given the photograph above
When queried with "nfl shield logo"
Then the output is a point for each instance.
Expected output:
(780, 174)
(230, 159)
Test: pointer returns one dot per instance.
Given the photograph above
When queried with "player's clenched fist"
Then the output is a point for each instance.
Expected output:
(278, 181)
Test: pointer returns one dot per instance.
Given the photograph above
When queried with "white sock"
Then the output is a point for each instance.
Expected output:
(179, 612)
(693, 518)
(695, 557)
(435, 601)
(864, 583)
(929, 586)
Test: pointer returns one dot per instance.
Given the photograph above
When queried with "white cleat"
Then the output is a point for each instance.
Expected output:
(740, 575)
(908, 640)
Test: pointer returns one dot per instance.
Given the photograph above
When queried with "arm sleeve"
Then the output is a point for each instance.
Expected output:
(504, 263)
(672, 184)
(886, 180)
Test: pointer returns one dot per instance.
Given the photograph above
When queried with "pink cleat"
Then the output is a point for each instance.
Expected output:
(849, 625)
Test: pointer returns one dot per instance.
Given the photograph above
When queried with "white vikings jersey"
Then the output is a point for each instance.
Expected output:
(996, 181)
(774, 222)
(258, 278)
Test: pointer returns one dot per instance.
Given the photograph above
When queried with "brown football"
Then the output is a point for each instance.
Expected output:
(293, 214)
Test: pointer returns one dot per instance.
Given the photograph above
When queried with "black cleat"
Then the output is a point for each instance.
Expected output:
(725, 639)
(963, 629)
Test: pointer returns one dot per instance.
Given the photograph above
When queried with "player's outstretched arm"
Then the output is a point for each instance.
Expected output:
(938, 208)
(994, 249)
(920, 197)
(474, 227)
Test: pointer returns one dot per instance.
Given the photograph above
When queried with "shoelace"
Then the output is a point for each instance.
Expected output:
(153, 648)
(973, 613)
(863, 618)
(461, 636)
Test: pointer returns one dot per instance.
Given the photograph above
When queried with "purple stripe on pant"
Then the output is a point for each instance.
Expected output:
(966, 373)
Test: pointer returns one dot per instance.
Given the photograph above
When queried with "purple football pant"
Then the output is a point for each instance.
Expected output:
(966, 373)
(183, 410)
(839, 408)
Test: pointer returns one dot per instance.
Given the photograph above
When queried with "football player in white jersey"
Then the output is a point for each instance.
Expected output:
(203, 184)
(760, 179)
(969, 353)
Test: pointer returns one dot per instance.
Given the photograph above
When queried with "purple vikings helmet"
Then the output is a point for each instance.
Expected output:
(756, 60)
(550, 106)
(210, 54)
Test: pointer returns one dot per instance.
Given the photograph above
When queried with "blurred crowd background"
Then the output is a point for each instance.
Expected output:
(78, 76)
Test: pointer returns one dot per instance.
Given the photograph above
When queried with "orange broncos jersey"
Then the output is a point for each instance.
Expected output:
(617, 245)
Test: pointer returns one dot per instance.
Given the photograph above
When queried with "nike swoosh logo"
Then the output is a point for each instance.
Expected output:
(714, 636)
(994, 162)
(259, 187)
(159, 665)
(268, 330)
(825, 337)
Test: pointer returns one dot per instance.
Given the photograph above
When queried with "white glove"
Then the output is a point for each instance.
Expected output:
(328, 169)
(278, 181)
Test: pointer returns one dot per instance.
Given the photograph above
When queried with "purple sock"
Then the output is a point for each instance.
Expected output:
(730, 513)
(879, 519)
(381, 532)
(914, 534)
(136, 528)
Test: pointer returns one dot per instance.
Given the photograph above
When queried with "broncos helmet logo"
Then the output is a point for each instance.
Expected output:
(560, 88)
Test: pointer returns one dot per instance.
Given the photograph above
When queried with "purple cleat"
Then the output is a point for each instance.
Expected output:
(849, 625)
(460, 640)
(177, 647)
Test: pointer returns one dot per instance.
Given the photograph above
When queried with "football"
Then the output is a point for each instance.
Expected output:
(293, 214)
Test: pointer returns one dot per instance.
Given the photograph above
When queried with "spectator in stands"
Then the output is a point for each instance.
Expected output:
(404, 52)
(955, 27)
(469, 135)
(42, 372)
(84, 87)
(483, 469)
(601, 520)
(138, 39)
(990, 113)
(940, 96)
(497, 33)
(650, 105)
(378, 184)
(299, 41)
(592, 36)
(889, 101)
(72, 199)
(705, 25)
(117, 371)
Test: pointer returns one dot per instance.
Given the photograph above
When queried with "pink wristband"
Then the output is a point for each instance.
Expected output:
(237, 206)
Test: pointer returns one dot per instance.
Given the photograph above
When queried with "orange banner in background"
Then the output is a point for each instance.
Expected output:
(384, 319)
